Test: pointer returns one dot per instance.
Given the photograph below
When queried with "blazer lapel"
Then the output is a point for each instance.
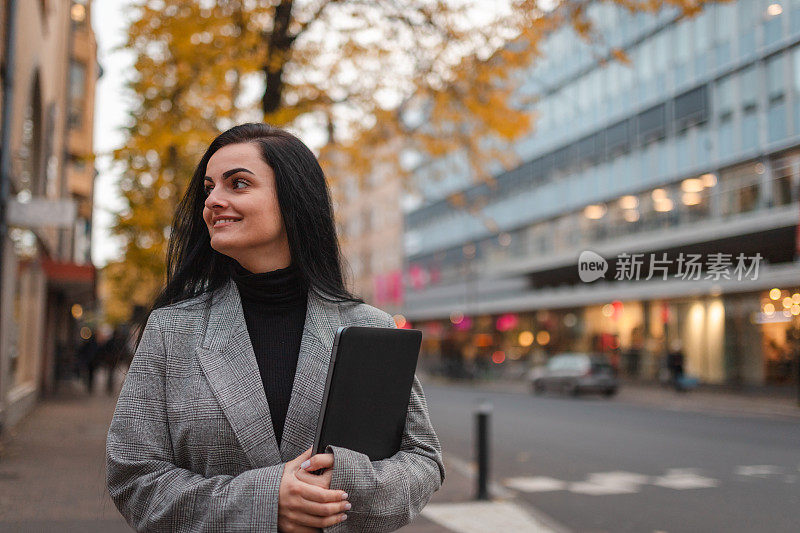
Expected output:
(322, 320)
(229, 363)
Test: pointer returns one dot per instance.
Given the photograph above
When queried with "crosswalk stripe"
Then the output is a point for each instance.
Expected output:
(480, 517)
(535, 484)
(617, 482)
(602, 489)
(757, 470)
(685, 480)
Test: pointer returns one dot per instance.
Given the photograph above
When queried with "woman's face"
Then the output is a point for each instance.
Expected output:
(239, 185)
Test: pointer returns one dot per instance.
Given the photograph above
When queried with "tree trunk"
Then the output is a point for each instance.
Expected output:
(279, 44)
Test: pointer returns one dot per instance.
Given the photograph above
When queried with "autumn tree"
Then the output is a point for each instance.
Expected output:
(353, 69)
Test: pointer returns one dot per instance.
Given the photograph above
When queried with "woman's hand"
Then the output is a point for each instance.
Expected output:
(304, 500)
(321, 461)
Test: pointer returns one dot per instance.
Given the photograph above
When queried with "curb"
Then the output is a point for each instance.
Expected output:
(708, 402)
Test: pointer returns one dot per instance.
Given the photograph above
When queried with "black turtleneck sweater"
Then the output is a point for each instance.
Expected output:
(274, 305)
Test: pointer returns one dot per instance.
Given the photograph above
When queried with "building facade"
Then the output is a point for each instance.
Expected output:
(48, 281)
(369, 222)
(679, 171)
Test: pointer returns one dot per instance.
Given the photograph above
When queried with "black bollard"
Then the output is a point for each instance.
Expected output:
(482, 443)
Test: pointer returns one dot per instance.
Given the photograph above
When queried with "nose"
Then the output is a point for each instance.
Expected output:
(215, 199)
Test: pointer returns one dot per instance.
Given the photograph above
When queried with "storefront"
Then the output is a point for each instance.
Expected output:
(778, 320)
(731, 339)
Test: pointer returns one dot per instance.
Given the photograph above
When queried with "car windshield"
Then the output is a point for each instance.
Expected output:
(568, 362)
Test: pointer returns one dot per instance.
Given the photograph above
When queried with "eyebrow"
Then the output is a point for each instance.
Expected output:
(231, 172)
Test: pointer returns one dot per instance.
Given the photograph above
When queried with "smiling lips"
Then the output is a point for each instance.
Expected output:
(225, 222)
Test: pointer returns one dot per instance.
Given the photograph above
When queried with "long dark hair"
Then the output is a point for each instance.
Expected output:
(195, 268)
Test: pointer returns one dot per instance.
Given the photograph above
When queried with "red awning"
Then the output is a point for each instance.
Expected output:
(65, 271)
(73, 279)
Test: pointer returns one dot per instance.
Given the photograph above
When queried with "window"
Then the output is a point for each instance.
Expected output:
(77, 93)
(785, 179)
(775, 67)
(682, 150)
(723, 99)
(782, 186)
(747, 15)
(662, 51)
(703, 31)
(794, 6)
(748, 86)
(750, 130)
(773, 24)
(691, 107)
(587, 148)
(682, 44)
(596, 94)
(355, 264)
(682, 49)
(366, 261)
(739, 188)
(651, 124)
(796, 86)
(776, 107)
(725, 132)
(725, 16)
(376, 218)
(625, 80)
(376, 264)
(644, 59)
(702, 144)
(354, 225)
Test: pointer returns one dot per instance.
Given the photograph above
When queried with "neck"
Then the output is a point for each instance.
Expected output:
(265, 264)
(279, 288)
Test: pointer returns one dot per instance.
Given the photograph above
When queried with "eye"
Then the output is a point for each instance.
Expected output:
(234, 181)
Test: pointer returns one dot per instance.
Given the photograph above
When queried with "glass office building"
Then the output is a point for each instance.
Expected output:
(693, 150)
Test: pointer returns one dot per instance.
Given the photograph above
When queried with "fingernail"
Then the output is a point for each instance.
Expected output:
(347, 506)
(344, 496)
(305, 464)
(344, 517)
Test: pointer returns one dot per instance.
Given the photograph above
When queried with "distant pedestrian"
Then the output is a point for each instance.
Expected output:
(632, 358)
(87, 356)
(113, 352)
(675, 362)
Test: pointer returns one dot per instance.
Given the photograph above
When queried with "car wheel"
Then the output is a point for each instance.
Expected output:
(572, 389)
(537, 387)
(608, 393)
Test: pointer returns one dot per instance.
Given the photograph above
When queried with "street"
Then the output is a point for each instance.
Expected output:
(558, 464)
(592, 464)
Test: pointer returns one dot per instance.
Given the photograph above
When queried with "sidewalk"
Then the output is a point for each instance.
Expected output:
(52, 465)
(705, 399)
(52, 476)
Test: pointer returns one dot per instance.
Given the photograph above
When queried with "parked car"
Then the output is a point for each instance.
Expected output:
(575, 373)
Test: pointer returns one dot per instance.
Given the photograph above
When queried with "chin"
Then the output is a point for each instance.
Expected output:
(221, 247)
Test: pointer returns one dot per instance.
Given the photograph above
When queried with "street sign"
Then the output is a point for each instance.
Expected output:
(41, 212)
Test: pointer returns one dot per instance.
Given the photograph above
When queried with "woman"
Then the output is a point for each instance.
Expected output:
(215, 421)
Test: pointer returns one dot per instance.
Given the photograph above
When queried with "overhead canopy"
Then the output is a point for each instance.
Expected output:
(76, 281)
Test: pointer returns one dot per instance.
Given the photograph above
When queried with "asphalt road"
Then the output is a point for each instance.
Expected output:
(593, 464)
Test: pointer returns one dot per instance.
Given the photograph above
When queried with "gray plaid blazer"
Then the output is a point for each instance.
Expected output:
(191, 445)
